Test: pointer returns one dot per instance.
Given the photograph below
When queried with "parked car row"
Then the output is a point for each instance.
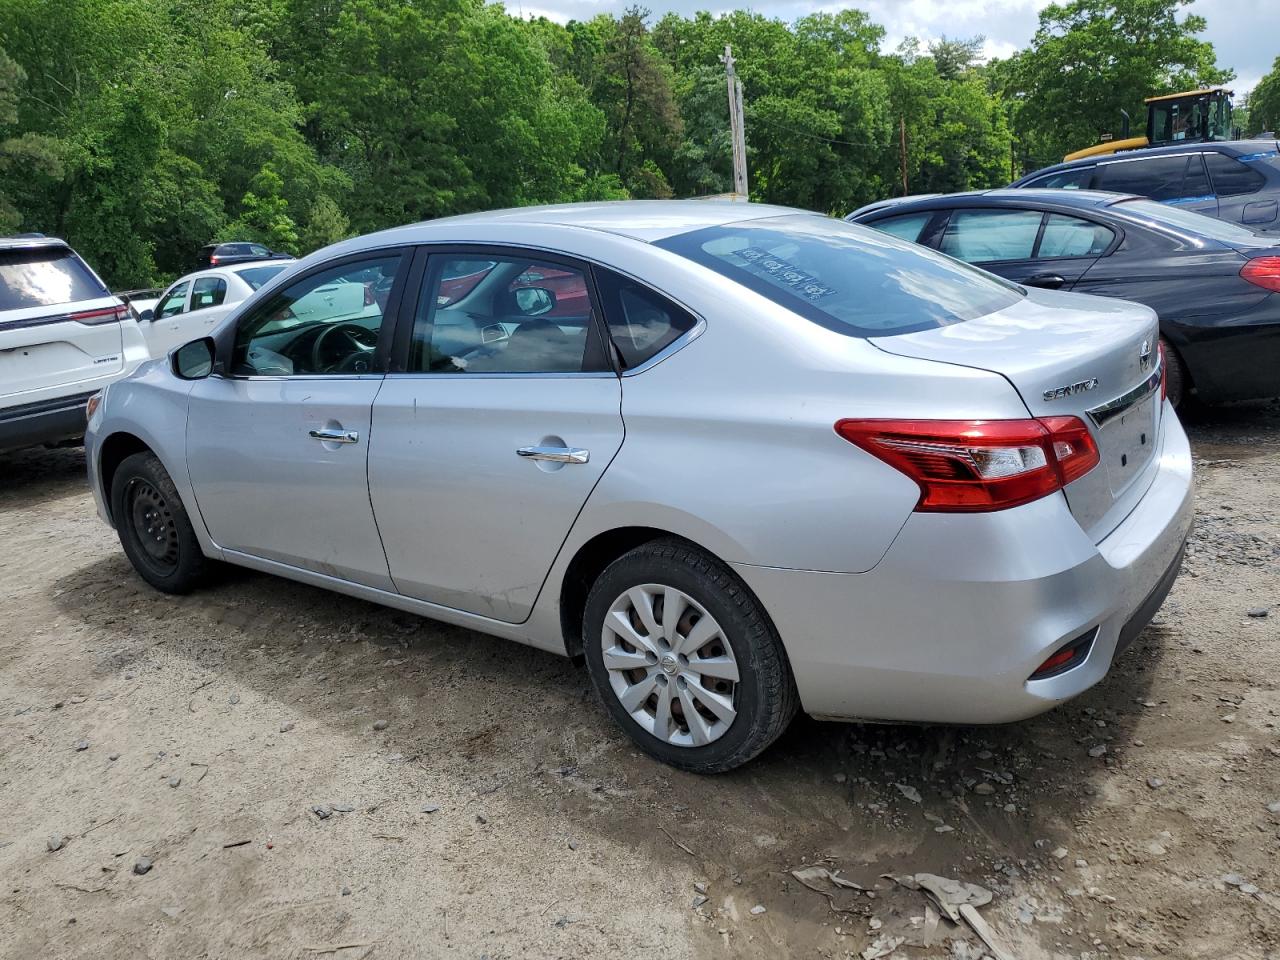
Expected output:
(744, 460)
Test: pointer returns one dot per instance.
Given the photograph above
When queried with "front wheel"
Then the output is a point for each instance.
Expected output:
(153, 526)
(685, 659)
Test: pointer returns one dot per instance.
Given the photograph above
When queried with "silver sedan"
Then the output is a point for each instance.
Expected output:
(743, 460)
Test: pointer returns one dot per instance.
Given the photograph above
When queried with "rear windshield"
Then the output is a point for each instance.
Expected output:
(846, 277)
(45, 278)
(1188, 221)
(257, 276)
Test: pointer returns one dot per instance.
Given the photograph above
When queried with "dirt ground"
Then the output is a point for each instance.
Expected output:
(200, 732)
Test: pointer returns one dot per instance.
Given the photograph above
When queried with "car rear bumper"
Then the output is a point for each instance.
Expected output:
(45, 421)
(964, 608)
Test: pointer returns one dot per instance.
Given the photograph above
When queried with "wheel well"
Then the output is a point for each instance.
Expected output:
(115, 449)
(587, 565)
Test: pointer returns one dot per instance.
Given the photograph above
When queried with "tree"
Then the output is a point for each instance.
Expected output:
(1091, 58)
(29, 152)
(1264, 102)
(264, 215)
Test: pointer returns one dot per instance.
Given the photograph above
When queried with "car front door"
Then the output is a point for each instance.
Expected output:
(164, 330)
(500, 415)
(278, 439)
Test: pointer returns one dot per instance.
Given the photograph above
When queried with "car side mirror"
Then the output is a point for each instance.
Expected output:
(194, 360)
(145, 315)
(534, 301)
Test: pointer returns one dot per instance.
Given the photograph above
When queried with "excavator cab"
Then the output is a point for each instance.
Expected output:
(1198, 116)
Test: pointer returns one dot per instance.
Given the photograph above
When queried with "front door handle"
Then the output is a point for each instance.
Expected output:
(1050, 281)
(555, 454)
(335, 436)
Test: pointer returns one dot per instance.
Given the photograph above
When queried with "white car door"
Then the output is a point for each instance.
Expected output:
(163, 331)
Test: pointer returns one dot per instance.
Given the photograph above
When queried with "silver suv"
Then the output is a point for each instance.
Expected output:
(63, 337)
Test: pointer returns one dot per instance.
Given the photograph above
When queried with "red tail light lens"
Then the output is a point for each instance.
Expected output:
(213, 261)
(966, 466)
(105, 315)
(1263, 272)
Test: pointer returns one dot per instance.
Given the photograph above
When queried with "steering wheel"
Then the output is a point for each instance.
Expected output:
(353, 344)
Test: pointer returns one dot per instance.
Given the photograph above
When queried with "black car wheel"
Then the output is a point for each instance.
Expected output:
(1175, 375)
(153, 526)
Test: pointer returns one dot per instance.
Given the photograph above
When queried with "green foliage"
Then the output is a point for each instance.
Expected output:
(1264, 103)
(1092, 58)
(143, 129)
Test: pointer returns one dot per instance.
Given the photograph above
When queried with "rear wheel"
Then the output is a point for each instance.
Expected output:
(685, 659)
(153, 526)
(1175, 375)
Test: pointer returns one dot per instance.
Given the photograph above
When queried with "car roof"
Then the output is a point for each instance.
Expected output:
(647, 220)
(1041, 197)
(1232, 147)
(33, 242)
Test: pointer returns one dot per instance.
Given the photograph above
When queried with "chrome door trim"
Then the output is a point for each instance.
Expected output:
(679, 343)
(555, 454)
(1105, 412)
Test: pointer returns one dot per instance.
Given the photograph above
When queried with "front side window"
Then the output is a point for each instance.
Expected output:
(175, 302)
(1076, 178)
(982, 236)
(503, 315)
(1231, 178)
(906, 227)
(325, 323)
(641, 323)
(1159, 178)
(845, 277)
(208, 292)
(1072, 237)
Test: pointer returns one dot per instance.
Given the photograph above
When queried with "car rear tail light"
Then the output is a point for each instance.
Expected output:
(966, 466)
(213, 261)
(1068, 657)
(1164, 372)
(105, 315)
(1263, 272)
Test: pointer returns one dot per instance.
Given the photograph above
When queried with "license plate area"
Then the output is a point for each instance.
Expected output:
(1127, 442)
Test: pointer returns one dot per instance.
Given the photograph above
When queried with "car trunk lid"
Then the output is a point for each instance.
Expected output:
(1065, 353)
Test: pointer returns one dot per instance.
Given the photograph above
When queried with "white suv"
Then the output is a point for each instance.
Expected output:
(63, 337)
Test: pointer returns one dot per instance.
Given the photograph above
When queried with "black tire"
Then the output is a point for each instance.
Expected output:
(1176, 381)
(153, 526)
(764, 696)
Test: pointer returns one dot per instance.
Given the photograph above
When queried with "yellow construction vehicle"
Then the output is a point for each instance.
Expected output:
(1194, 116)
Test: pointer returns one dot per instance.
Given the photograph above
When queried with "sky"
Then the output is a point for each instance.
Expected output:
(1245, 33)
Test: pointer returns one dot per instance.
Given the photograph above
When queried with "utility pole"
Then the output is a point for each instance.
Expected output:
(902, 128)
(737, 128)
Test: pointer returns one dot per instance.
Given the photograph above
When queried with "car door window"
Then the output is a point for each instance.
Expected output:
(174, 303)
(1160, 178)
(981, 236)
(503, 315)
(1195, 183)
(1075, 179)
(907, 226)
(326, 323)
(208, 292)
(641, 322)
(1231, 178)
(1072, 237)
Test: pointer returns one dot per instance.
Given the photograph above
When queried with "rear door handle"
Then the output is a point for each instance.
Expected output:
(555, 454)
(335, 436)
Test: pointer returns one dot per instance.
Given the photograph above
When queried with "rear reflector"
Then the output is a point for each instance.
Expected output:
(967, 466)
(105, 315)
(1263, 272)
(1072, 655)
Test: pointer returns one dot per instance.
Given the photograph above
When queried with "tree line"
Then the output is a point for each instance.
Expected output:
(141, 129)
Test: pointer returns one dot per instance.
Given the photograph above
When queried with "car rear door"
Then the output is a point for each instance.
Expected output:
(58, 324)
(1178, 179)
(1237, 185)
(1007, 241)
(500, 414)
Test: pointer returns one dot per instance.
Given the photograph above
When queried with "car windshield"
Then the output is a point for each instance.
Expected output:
(848, 278)
(45, 278)
(257, 276)
(1188, 221)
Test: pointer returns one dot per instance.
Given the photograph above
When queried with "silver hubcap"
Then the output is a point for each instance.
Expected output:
(670, 665)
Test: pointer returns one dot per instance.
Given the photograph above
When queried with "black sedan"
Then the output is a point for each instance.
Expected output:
(1215, 285)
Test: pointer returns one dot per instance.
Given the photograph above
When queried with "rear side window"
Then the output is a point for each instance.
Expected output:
(1072, 237)
(208, 292)
(907, 227)
(845, 277)
(1231, 178)
(1075, 179)
(641, 323)
(257, 276)
(980, 236)
(1160, 178)
(45, 278)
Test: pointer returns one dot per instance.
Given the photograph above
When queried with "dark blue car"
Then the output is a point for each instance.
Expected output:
(1215, 285)
(1237, 180)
